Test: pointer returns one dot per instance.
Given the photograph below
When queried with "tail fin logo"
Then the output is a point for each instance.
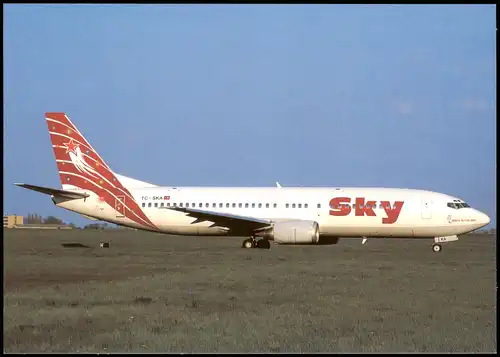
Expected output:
(76, 156)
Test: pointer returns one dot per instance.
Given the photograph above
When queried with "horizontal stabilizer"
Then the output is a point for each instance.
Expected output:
(54, 191)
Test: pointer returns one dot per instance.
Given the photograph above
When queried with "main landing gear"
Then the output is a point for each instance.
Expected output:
(436, 248)
(253, 243)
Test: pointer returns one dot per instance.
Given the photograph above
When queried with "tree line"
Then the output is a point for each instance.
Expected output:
(35, 218)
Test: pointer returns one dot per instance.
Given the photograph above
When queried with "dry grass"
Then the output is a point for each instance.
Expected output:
(157, 293)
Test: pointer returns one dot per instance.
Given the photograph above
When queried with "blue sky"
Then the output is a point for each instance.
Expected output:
(246, 95)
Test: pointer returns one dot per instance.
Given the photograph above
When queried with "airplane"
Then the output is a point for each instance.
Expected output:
(261, 215)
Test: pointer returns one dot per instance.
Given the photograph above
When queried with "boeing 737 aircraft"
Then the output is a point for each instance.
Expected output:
(284, 215)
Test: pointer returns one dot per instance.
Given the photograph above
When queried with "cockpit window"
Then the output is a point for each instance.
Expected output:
(457, 205)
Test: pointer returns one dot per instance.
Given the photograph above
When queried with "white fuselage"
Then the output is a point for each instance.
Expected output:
(285, 215)
(391, 212)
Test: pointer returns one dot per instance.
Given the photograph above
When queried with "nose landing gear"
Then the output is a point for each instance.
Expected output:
(436, 248)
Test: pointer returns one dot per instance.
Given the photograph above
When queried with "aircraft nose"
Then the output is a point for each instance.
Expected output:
(483, 219)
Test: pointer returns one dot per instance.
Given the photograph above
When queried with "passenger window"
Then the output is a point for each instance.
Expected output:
(193, 205)
(200, 204)
(156, 204)
(143, 204)
(267, 205)
(149, 204)
(187, 204)
(227, 205)
(246, 205)
(253, 205)
(287, 205)
(260, 205)
(214, 205)
(293, 205)
(162, 204)
(319, 205)
(220, 205)
(275, 205)
(168, 204)
(305, 205)
(300, 205)
(240, 205)
(174, 204)
(180, 204)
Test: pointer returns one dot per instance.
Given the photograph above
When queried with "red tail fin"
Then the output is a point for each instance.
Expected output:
(81, 166)
(76, 158)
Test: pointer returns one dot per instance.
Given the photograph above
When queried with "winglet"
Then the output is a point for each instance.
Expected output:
(278, 184)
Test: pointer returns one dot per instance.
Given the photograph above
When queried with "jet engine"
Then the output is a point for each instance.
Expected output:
(295, 232)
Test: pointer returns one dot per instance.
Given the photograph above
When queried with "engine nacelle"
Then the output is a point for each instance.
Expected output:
(295, 232)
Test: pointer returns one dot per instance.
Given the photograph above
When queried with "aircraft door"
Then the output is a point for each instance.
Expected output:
(426, 209)
(120, 206)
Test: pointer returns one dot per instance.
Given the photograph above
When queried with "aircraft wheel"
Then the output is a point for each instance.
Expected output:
(248, 243)
(263, 244)
(436, 248)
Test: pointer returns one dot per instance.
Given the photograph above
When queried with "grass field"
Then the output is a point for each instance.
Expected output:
(157, 293)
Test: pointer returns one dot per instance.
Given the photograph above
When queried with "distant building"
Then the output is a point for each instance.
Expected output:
(10, 221)
(13, 221)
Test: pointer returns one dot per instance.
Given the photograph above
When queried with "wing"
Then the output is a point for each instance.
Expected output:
(230, 221)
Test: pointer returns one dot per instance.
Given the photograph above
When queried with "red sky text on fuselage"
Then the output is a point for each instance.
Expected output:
(340, 207)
